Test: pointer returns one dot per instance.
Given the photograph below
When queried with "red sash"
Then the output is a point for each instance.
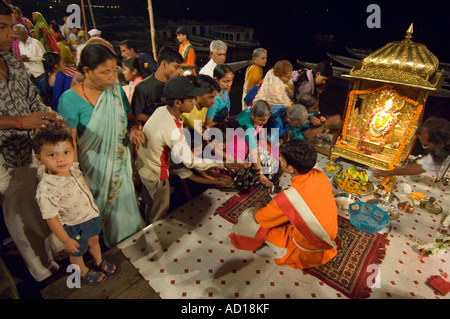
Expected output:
(299, 214)
(247, 234)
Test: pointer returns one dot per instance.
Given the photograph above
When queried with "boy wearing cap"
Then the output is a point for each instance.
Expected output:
(165, 144)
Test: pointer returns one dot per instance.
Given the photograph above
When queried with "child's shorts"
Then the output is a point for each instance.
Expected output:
(82, 232)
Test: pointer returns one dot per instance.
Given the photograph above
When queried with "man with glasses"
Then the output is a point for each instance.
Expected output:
(434, 135)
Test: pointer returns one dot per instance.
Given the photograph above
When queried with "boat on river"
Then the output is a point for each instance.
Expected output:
(444, 90)
(346, 61)
(358, 53)
(205, 32)
(236, 66)
(337, 71)
(351, 62)
(362, 53)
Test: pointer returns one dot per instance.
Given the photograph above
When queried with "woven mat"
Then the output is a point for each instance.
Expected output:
(232, 208)
(354, 269)
(352, 272)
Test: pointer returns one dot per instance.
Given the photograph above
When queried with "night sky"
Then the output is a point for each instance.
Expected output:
(284, 22)
(286, 27)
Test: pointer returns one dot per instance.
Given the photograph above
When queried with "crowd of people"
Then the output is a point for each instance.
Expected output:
(100, 147)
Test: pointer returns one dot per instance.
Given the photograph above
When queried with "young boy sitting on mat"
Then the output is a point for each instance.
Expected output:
(67, 203)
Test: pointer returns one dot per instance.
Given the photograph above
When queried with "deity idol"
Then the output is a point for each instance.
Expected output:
(381, 124)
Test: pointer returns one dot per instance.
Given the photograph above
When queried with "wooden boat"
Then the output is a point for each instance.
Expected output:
(200, 47)
(349, 62)
(235, 66)
(337, 71)
(444, 91)
(362, 53)
(358, 53)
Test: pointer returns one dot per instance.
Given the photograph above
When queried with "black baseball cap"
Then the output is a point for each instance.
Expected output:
(179, 87)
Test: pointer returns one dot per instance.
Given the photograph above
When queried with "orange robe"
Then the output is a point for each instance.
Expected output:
(316, 191)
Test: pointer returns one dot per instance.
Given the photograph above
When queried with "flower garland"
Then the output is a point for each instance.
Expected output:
(350, 104)
(441, 242)
(408, 133)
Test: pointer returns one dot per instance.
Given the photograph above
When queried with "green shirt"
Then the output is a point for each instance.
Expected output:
(244, 120)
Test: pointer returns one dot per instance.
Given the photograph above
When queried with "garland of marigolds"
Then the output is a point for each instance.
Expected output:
(408, 133)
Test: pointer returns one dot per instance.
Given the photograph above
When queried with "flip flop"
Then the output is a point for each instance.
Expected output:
(109, 268)
(91, 278)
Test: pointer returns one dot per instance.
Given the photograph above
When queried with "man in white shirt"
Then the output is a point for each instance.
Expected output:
(31, 52)
(218, 53)
(434, 135)
(65, 30)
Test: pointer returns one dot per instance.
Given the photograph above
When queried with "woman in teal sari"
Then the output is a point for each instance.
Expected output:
(96, 110)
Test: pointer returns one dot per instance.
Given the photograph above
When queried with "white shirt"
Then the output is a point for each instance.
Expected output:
(73, 37)
(65, 31)
(67, 197)
(80, 48)
(166, 145)
(208, 69)
(429, 165)
(34, 50)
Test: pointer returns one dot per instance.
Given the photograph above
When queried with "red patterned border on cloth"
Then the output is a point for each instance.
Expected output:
(232, 208)
(348, 272)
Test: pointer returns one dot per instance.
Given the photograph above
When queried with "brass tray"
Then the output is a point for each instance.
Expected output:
(331, 173)
(369, 186)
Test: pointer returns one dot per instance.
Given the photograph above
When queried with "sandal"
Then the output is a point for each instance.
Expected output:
(91, 278)
(108, 268)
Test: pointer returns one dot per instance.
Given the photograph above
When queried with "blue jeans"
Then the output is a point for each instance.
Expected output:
(84, 231)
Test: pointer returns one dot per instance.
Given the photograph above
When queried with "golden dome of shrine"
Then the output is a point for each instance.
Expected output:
(402, 63)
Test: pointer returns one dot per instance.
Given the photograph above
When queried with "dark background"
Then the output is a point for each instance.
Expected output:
(285, 28)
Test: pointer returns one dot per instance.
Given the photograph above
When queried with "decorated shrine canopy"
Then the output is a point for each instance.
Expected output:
(386, 103)
(404, 62)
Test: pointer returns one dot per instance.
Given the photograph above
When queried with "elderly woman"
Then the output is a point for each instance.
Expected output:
(248, 124)
(254, 73)
(282, 118)
(277, 88)
(20, 19)
(311, 102)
